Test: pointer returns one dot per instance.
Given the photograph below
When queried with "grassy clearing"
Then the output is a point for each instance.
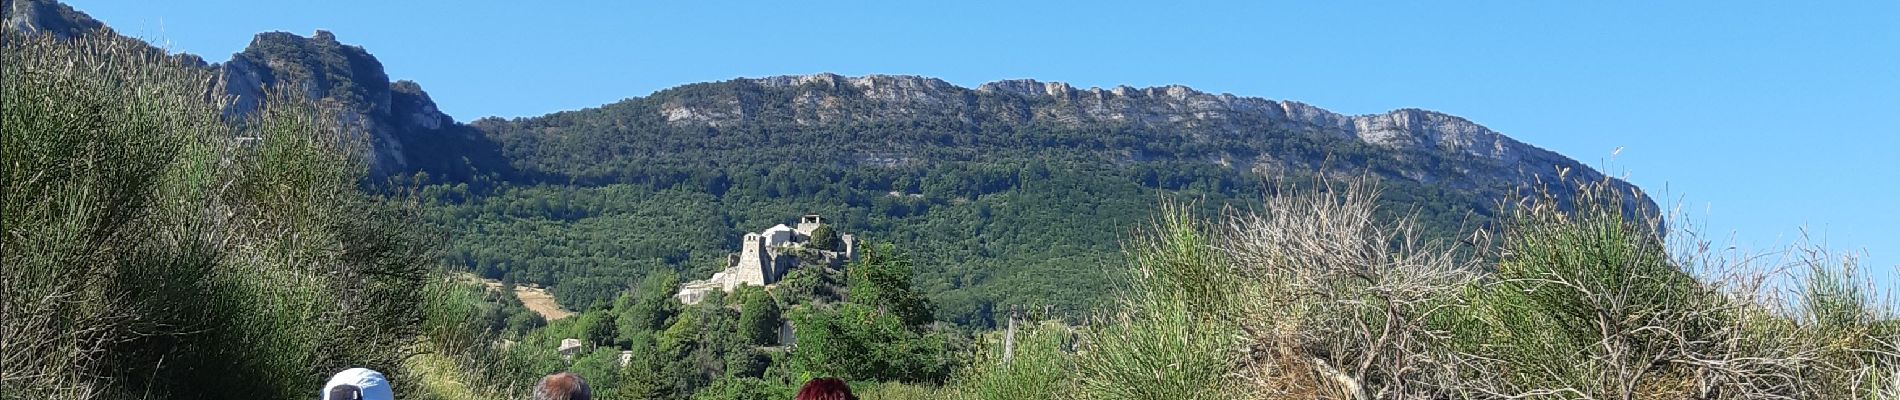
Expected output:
(539, 300)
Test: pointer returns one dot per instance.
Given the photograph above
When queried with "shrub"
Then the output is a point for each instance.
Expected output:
(1337, 301)
(1312, 296)
(1173, 338)
(1039, 368)
(825, 238)
(1588, 303)
(154, 249)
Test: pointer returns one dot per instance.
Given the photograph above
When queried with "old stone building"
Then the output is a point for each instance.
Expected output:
(765, 257)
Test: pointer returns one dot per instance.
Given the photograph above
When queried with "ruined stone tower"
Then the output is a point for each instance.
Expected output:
(809, 223)
(755, 264)
(850, 246)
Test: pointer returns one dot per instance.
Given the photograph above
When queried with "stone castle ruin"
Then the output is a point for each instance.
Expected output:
(765, 257)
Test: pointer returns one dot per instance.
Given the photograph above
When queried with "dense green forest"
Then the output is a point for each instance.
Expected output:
(997, 213)
(1002, 207)
(984, 236)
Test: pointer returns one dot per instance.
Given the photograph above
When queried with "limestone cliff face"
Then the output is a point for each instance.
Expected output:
(347, 81)
(1476, 156)
(1168, 107)
(824, 98)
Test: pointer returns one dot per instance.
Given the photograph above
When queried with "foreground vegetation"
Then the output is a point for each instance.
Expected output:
(155, 249)
(1313, 298)
(158, 248)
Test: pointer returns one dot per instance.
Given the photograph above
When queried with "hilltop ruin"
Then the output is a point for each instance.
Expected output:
(765, 257)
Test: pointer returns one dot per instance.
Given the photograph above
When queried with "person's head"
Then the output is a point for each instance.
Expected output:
(357, 384)
(562, 386)
(825, 389)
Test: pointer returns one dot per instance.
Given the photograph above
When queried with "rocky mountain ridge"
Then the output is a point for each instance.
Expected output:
(48, 17)
(344, 79)
(1152, 107)
(1472, 152)
(407, 133)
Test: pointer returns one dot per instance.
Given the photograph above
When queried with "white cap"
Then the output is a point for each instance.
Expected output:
(370, 382)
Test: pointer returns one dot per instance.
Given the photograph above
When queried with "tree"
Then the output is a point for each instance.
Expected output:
(857, 342)
(746, 363)
(650, 307)
(759, 320)
(596, 366)
(600, 328)
(644, 376)
(684, 333)
(880, 279)
(825, 238)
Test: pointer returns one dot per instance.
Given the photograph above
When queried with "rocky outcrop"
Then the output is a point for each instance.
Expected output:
(48, 17)
(413, 108)
(823, 99)
(1477, 156)
(345, 80)
(1166, 107)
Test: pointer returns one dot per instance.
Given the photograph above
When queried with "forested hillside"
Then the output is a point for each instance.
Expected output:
(1013, 193)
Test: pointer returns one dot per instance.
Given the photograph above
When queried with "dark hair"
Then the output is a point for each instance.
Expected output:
(562, 386)
(345, 392)
(825, 389)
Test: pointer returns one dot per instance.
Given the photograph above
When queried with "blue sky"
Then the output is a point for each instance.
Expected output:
(1758, 118)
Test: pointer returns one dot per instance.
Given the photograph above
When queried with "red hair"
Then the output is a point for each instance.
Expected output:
(825, 389)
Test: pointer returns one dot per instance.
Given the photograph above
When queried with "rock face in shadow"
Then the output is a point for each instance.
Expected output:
(401, 125)
(48, 17)
(346, 81)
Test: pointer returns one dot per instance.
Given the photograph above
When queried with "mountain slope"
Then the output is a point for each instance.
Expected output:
(1010, 193)
(1015, 192)
(905, 120)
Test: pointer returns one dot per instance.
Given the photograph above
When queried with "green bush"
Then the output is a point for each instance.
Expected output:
(1040, 367)
(759, 319)
(860, 343)
(1173, 338)
(155, 250)
(1587, 302)
(825, 238)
